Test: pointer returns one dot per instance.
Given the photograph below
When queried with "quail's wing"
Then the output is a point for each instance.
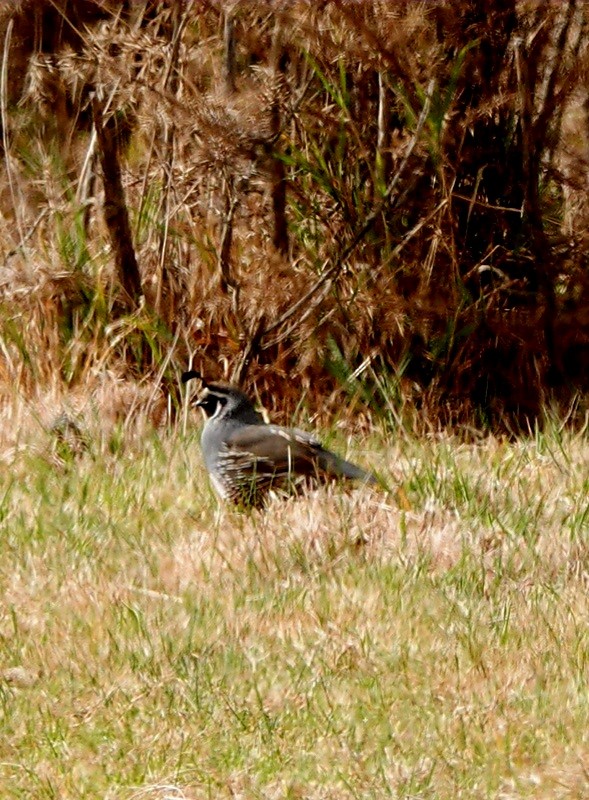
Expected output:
(276, 450)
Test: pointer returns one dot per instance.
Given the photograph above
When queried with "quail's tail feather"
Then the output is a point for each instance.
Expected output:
(340, 468)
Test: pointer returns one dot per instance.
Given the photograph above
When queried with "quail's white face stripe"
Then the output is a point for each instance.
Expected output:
(218, 410)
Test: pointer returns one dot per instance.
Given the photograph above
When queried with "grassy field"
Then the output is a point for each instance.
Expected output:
(427, 643)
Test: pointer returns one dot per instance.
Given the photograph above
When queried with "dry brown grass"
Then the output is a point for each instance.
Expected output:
(451, 298)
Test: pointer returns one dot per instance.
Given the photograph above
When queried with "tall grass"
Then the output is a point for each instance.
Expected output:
(400, 182)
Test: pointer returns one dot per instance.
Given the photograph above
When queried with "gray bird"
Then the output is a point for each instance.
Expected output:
(245, 457)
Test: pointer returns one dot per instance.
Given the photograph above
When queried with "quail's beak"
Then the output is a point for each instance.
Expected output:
(201, 402)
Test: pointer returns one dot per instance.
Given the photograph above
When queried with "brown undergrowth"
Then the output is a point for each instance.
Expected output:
(381, 202)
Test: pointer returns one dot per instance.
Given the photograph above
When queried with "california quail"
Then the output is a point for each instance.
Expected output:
(245, 457)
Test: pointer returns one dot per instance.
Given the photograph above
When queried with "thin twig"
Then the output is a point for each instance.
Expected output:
(416, 228)
(484, 204)
(29, 234)
(171, 84)
(4, 123)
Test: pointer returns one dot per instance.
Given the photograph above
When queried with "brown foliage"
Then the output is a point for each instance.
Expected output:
(297, 225)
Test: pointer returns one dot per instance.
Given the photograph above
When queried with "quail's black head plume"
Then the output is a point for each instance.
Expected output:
(190, 374)
(245, 457)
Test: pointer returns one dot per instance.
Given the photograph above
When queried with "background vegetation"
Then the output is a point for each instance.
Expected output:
(382, 199)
